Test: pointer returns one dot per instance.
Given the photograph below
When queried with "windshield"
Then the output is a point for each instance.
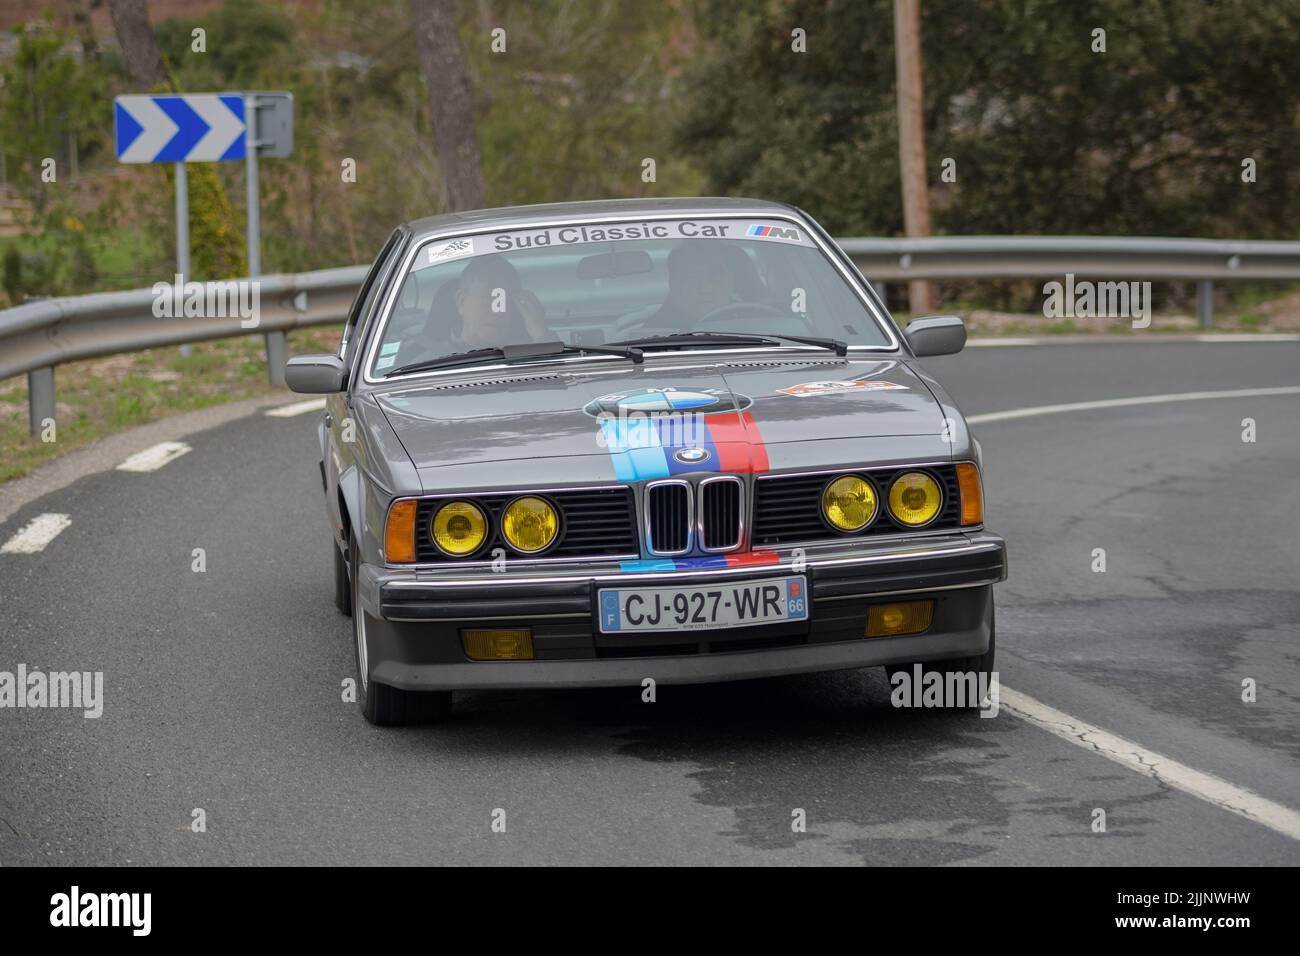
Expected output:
(613, 282)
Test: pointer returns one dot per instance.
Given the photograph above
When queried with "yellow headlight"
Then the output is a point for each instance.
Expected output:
(849, 503)
(459, 528)
(529, 524)
(915, 499)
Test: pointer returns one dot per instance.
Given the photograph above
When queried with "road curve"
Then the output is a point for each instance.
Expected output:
(222, 688)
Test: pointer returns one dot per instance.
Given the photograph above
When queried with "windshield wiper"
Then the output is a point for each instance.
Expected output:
(514, 353)
(689, 339)
(835, 345)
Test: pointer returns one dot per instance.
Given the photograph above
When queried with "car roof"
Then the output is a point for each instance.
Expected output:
(511, 217)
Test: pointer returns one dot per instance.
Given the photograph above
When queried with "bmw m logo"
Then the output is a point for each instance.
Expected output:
(704, 401)
(691, 456)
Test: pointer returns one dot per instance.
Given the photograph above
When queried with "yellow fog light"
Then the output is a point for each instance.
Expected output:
(459, 528)
(529, 524)
(513, 644)
(849, 503)
(915, 499)
(891, 620)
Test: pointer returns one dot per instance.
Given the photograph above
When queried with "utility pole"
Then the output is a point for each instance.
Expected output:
(911, 139)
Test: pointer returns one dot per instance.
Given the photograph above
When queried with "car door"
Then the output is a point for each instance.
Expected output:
(338, 438)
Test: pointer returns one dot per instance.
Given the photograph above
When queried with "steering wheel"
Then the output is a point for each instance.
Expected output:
(733, 309)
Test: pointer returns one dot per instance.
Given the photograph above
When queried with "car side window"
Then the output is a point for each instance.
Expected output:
(366, 295)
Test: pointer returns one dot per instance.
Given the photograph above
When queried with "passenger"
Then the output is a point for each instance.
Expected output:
(488, 307)
(700, 281)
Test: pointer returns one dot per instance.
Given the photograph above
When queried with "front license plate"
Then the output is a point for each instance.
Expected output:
(710, 607)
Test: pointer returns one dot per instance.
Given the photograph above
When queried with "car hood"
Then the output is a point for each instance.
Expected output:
(777, 409)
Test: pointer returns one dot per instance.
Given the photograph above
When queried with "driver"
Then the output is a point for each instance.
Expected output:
(492, 308)
(700, 281)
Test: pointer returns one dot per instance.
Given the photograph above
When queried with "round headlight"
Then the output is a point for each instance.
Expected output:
(529, 524)
(915, 499)
(849, 503)
(459, 528)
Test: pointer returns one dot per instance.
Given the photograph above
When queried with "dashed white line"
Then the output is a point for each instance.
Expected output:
(297, 408)
(1228, 796)
(154, 457)
(36, 534)
(1036, 410)
(993, 343)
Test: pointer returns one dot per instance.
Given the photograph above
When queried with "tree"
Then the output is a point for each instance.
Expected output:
(135, 36)
(451, 103)
(1048, 134)
(218, 249)
(13, 275)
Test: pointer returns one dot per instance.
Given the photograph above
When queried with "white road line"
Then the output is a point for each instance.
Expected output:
(1251, 337)
(297, 408)
(1222, 338)
(153, 458)
(36, 534)
(1037, 410)
(1212, 789)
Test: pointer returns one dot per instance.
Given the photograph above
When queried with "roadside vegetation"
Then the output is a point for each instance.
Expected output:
(100, 396)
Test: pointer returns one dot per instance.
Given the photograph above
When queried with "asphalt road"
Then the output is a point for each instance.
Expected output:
(222, 688)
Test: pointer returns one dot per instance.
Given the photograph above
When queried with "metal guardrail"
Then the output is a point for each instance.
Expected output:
(1045, 257)
(36, 337)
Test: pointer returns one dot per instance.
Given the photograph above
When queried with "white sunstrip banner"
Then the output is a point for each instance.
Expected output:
(757, 230)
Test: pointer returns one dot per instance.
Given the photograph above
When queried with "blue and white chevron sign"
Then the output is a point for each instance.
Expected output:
(194, 128)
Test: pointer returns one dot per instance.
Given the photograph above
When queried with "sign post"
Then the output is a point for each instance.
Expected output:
(202, 128)
(182, 223)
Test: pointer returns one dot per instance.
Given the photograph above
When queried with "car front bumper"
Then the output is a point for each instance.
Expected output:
(414, 618)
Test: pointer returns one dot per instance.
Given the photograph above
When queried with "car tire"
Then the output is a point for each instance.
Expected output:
(382, 705)
(342, 586)
(978, 663)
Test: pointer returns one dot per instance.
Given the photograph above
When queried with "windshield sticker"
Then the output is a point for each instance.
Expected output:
(804, 389)
(386, 361)
(390, 347)
(673, 229)
(455, 249)
(786, 233)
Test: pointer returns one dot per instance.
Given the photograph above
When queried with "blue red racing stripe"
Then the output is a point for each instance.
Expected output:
(641, 448)
(705, 563)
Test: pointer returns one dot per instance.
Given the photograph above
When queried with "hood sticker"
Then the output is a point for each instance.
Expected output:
(665, 400)
(660, 432)
(804, 389)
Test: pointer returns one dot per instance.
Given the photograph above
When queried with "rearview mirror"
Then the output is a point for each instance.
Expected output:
(935, 335)
(314, 374)
(606, 265)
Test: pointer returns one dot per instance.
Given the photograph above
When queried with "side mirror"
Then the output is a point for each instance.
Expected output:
(936, 335)
(315, 374)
